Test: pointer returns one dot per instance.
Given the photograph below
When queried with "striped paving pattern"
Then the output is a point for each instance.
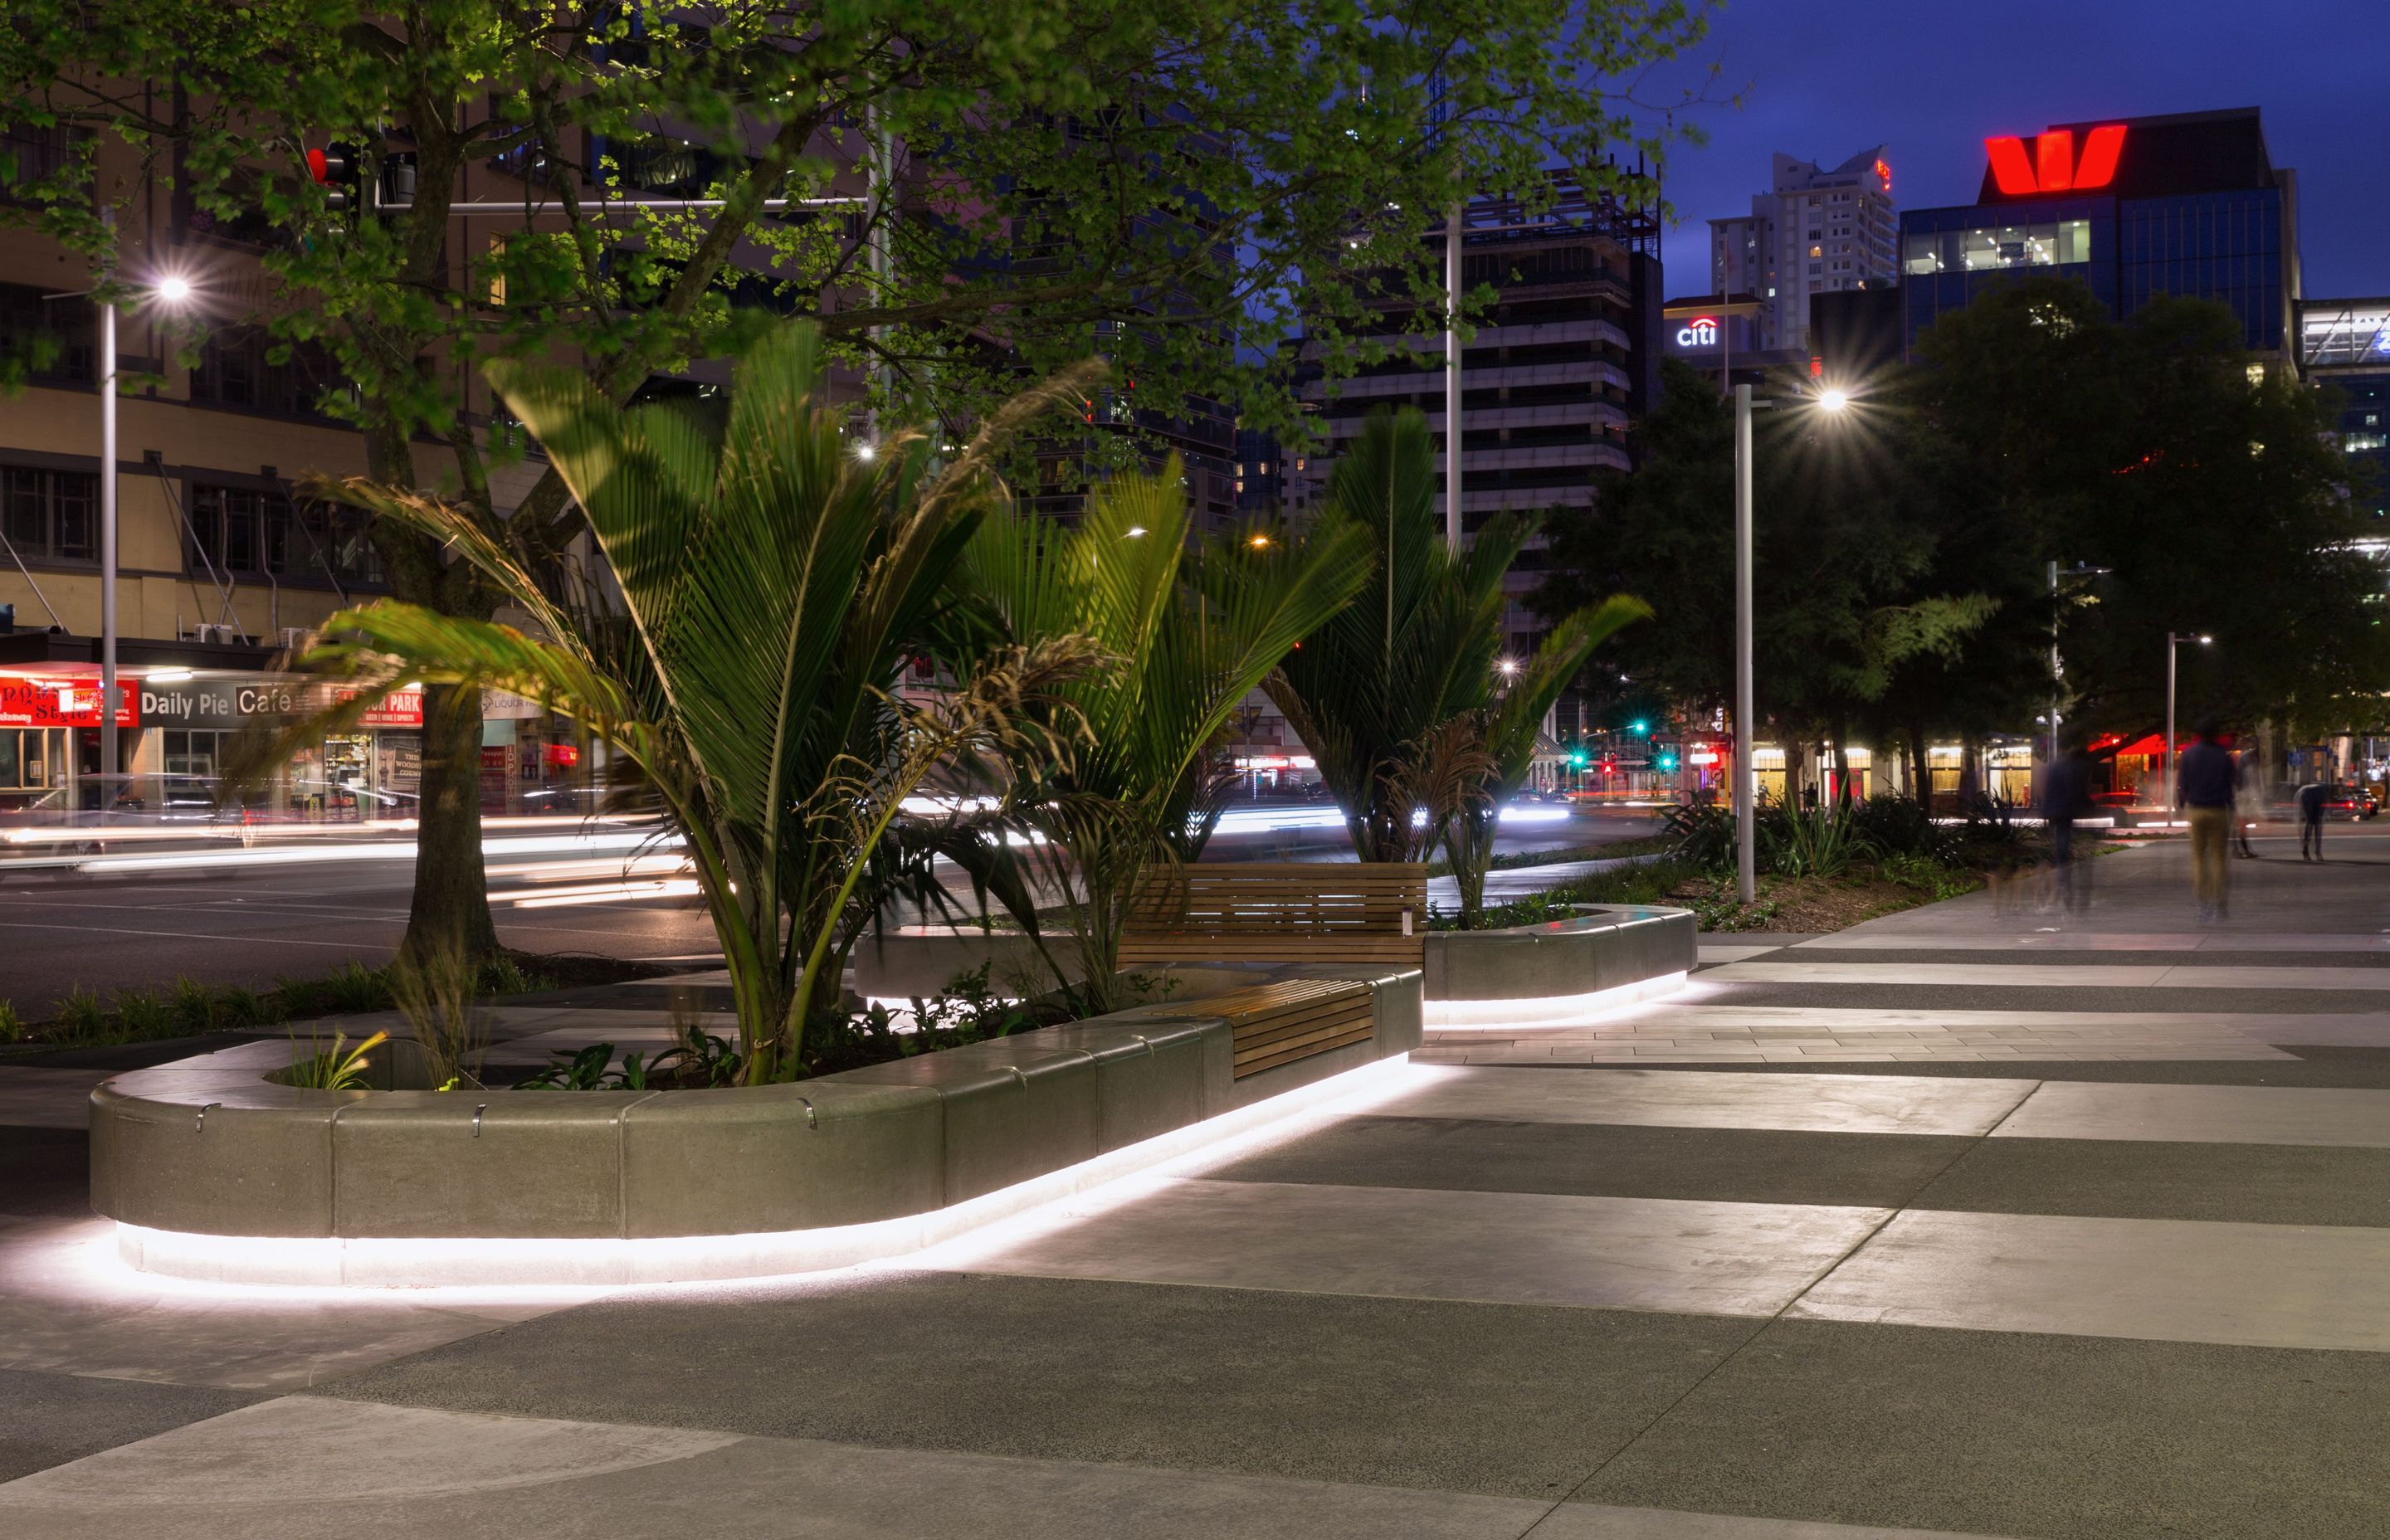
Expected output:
(1880, 1237)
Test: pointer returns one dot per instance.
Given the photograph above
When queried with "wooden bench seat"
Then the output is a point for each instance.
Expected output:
(1276, 1023)
(1279, 912)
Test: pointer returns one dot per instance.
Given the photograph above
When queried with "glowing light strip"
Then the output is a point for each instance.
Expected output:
(615, 893)
(335, 1263)
(1549, 1010)
(392, 849)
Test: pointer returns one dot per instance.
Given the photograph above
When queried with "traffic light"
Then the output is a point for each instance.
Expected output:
(1668, 759)
(334, 168)
(1576, 758)
(1639, 726)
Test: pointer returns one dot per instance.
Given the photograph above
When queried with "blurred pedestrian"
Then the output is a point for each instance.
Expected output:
(2247, 807)
(2066, 796)
(2311, 801)
(2205, 783)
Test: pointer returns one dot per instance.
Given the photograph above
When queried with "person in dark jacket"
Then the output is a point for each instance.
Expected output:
(2205, 780)
(2312, 799)
(2066, 796)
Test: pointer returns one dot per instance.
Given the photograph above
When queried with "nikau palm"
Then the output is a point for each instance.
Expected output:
(770, 588)
(1186, 636)
(1395, 696)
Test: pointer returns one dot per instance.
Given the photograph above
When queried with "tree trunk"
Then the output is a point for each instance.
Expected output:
(1920, 770)
(1842, 768)
(450, 913)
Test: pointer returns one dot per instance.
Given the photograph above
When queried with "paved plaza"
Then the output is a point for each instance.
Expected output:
(1979, 1220)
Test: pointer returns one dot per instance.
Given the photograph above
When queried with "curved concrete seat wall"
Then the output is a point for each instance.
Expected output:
(1604, 955)
(209, 1147)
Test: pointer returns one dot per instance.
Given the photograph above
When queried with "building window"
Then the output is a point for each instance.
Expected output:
(49, 515)
(241, 531)
(1998, 247)
(22, 766)
(57, 339)
(238, 368)
(194, 750)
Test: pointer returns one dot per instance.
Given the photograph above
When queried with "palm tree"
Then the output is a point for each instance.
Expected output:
(770, 585)
(1187, 637)
(1395, 696)
(1506, 730)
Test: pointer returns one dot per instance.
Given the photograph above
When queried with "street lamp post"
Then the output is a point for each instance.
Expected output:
(2076, 570)
(1746, 772)
(2174, 755)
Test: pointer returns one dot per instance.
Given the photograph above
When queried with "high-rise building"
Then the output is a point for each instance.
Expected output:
(1815, 232)
(2345, 347)
(1563, 363)
(2189, 204)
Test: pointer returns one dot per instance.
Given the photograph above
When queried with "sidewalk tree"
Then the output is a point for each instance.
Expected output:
(773, 588)
(1146, 180)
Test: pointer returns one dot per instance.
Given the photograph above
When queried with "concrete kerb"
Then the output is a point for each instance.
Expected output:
(214, 1171)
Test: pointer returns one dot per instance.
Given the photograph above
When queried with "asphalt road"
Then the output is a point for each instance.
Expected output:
(116, 923)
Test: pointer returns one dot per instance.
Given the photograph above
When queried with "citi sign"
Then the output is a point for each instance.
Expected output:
(1701, 331)
(2054, 166)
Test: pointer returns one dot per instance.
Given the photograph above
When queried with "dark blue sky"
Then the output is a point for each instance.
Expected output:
(1930, 79)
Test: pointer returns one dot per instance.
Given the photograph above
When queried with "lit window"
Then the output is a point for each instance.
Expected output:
(1817, 251)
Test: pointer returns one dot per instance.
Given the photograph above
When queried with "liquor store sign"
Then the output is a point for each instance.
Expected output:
(61, 703)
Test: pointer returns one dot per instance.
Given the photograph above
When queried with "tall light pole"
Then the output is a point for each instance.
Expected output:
(170, 291)
(1452, 376)
(1746, 772)
(2173, 756)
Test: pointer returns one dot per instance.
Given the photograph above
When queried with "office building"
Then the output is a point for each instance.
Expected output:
(2344, 348)
(1558, 369)
(2189, 204)
(1816, 231)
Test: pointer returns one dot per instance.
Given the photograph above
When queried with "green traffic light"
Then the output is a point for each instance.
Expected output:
(1639, 726)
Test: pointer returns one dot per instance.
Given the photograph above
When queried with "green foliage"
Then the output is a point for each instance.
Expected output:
(1903, 826)
(81, 1019)
(1186, 638)
(12, 1026)
(238, 1007)
(316, 1066)
(142, 1015)
(194, 1004)
(1811, 841)
(774, 585)
(434, 988)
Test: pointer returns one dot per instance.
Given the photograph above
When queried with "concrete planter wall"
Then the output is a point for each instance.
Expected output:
(207, 1147)
(1607, 955)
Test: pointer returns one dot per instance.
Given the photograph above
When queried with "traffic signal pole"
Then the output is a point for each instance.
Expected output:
(1746, 846)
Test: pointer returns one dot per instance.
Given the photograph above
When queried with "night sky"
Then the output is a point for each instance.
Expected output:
(1930, 79)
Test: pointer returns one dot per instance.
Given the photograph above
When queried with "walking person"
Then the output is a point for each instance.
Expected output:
(2311, 799)
(2204, 784)
(2066, 796)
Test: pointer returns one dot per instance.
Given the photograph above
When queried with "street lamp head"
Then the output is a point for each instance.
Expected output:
(1507, 666)
(1134, 531)
(171, 290)
(2204, 640)
(1833, 401)
(866, 452)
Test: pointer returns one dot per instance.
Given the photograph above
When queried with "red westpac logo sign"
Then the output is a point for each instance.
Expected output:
(2052, 166)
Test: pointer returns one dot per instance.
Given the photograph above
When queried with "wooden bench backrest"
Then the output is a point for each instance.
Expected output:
(1280, 911)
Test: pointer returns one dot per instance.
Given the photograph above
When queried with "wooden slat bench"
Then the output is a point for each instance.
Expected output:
(1280, 911)
(1276, 1023)
(1283, 912)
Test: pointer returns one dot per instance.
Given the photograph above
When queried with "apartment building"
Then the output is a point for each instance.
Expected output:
(1816, 231)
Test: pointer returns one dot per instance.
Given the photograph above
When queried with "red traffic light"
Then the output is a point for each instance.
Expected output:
(334, 167)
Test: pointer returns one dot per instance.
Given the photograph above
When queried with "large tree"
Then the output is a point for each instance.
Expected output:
(1152, 180)
(1847, 590)
(2210, 487)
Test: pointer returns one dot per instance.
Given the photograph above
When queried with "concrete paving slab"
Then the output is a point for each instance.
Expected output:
(48, 1420)
(1742, 1165)
(1592, 1521)
(69, 1306)
(48, 1098)
(1510, 1400)
(1615, 1253)
(2158, 1279)
(2259, 1184)
(403, 1471)
(1823, 1103)
(2057, 1437)
(2220, 1114)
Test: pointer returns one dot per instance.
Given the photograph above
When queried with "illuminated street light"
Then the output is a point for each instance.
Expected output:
(1135, 531)
(173, 289)
(1834, 401)
(2173, 756)
(1259, 541)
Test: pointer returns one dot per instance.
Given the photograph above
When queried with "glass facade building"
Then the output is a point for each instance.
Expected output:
(2191, 205)
(2345, 347)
